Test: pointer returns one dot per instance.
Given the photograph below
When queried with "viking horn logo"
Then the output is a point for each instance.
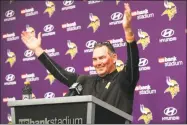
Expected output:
(171, 9)
(50, 8)
(72, 49)
(95, 22)
(173, 88)
(146, 114)
(144, 38)
(11, 58)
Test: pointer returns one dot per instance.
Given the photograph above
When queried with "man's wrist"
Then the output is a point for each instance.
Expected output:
(130, 38)
(38, 51)
(129, 35)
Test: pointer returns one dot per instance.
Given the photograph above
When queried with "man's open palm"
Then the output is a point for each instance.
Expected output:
(30, 40)
(127, 16)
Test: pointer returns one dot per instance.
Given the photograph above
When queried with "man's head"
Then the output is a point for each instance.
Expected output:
(104, 58)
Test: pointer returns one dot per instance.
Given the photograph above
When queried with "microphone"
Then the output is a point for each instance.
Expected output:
(76, 88)
(27, 91)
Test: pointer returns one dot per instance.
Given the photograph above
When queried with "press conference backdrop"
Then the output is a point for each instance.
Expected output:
(69, 31)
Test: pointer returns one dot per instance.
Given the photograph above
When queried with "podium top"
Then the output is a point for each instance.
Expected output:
(70, 99)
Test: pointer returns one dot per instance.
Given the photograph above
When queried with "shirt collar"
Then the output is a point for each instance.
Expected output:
(108, 76)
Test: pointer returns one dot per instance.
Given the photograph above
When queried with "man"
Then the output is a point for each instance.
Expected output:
(109, 85)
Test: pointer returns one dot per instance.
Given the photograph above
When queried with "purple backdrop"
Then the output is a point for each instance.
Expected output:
(159, 28)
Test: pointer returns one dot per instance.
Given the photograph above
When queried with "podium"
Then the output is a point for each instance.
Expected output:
(66, 110)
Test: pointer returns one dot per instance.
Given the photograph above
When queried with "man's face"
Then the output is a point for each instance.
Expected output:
(103, 62)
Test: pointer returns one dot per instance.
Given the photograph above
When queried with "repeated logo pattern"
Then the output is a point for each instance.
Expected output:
(69, 31)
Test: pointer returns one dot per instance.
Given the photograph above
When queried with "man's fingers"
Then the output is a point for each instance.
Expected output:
(22, 32)
(22, 35)
(25, 35)
(127, 7)
(24, 39)
(25, 42)
(126, 4)
(39, 35)
(127, 13)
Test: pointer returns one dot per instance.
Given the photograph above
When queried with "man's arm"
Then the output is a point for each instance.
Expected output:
(58, 72)
(34, 44)
(132, 69)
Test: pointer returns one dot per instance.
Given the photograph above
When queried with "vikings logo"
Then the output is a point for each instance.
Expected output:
(30, 30)
(119, 65)
(50, 8)
(95, 22)
(50, 77)
(146, 114)
(9, 119)
(117, 2)
(173, 88)
(144, 38)
(72, 49)
(11, 58)
(171, 9)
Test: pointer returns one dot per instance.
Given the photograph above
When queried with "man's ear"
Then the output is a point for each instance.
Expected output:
(114, 58)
